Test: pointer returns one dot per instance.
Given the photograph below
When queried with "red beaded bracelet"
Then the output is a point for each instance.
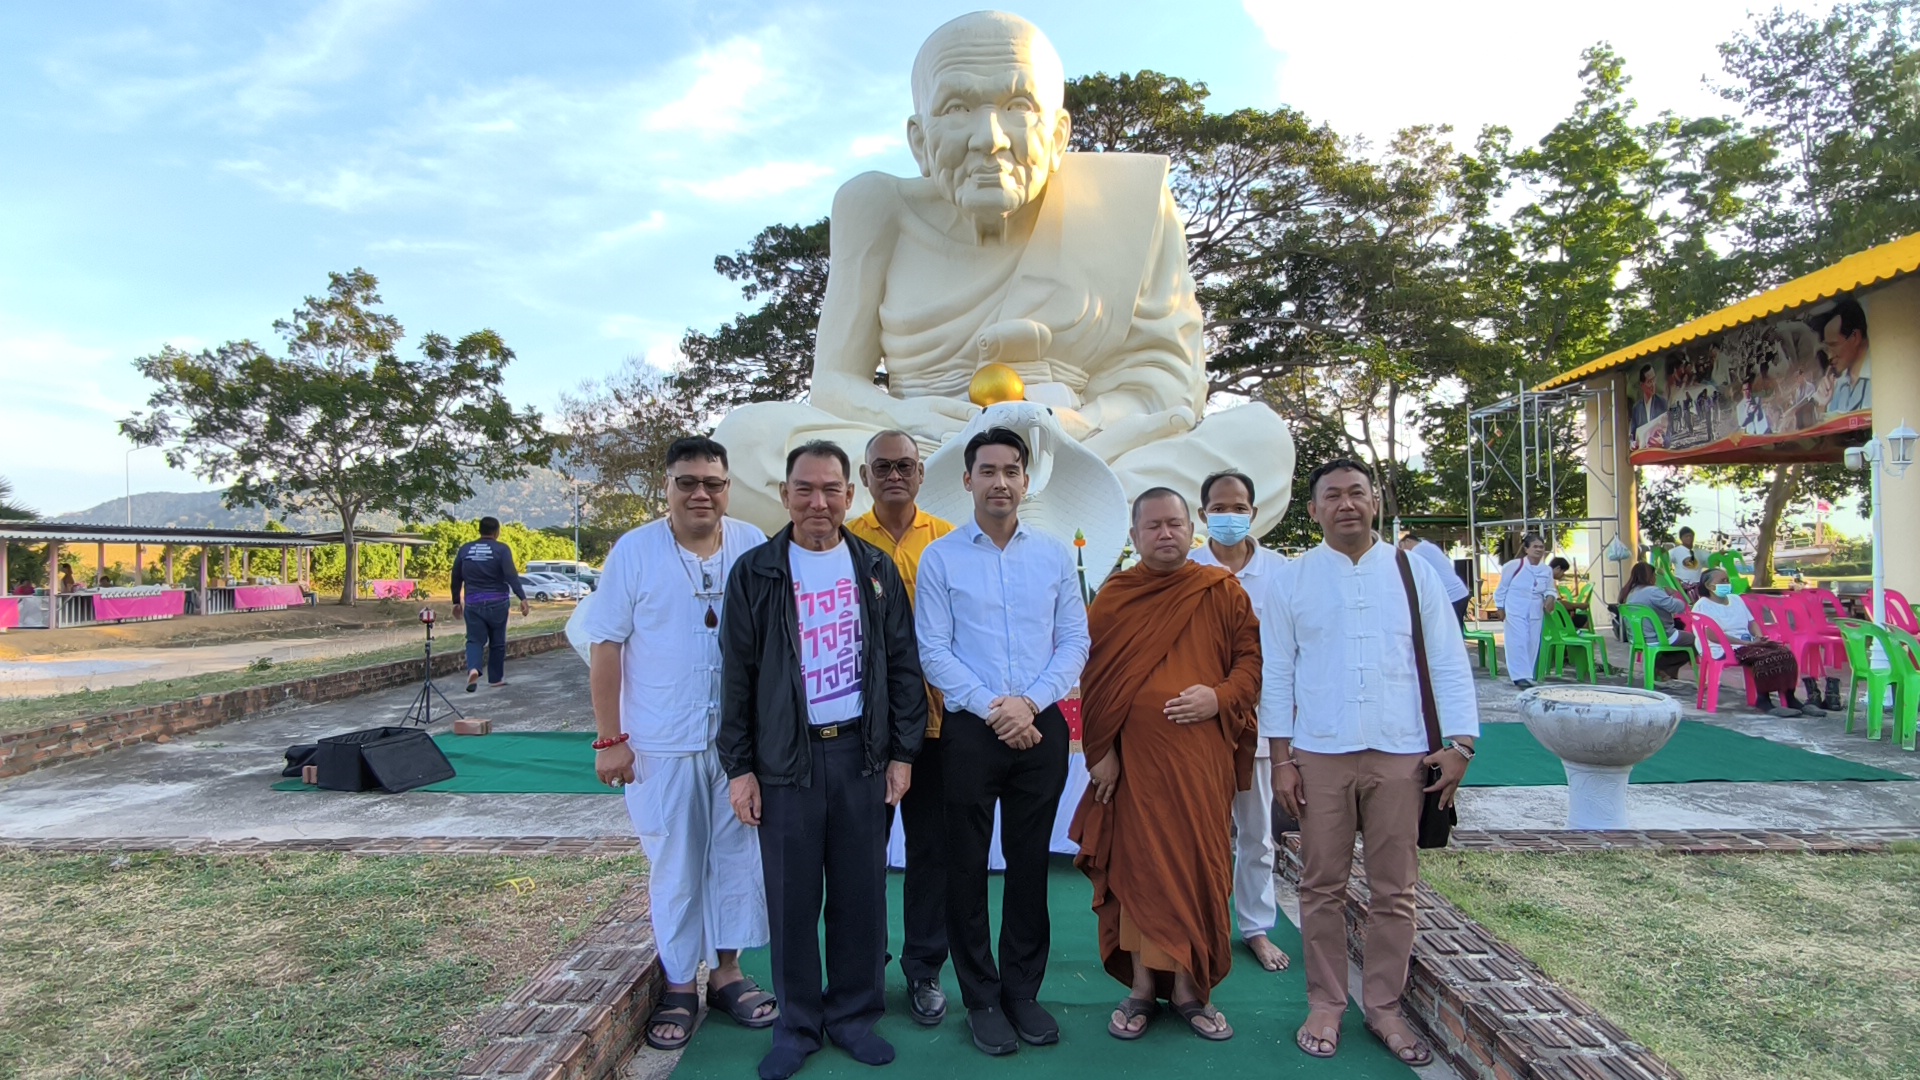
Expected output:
(608, 744)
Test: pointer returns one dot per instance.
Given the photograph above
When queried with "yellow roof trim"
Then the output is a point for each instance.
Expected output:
(1884, 263)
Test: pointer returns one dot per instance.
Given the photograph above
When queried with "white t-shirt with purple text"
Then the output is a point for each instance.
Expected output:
(831, 659)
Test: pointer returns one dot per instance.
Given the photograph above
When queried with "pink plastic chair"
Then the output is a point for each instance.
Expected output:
(1781, 621)
(1816, 621)
(1899, 612)
(1706, 635)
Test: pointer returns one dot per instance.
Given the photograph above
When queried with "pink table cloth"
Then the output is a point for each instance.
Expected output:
(163, 605)
(267, 597)
(9, 612)
(392, 589)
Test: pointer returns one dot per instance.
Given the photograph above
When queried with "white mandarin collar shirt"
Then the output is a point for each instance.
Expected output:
(996, 623)
(1261, 578)
(653, 598)
(1430, 551)
(1341, 656)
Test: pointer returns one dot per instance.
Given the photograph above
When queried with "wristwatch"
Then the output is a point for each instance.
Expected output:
(1462, 749)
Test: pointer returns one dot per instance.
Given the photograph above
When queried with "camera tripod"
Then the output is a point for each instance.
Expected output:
(421, 711)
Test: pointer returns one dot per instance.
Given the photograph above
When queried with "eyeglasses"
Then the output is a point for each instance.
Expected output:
(714, 484)
(902, 467)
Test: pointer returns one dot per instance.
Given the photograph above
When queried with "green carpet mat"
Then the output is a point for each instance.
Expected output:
(1264, 1008)
(561, 762)
(1697, 753)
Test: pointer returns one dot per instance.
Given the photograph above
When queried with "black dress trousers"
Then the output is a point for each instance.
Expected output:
(827, 842)
(923, 892)
(980, 770)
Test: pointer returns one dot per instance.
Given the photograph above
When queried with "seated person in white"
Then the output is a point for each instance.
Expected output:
(1769, 665)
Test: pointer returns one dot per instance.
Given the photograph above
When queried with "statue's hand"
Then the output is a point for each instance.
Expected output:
(1014, 342)
(931, 418)
(1132, 432)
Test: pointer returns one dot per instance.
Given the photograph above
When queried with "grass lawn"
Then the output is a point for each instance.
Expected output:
(289, 965)
(1731, 967)
(19, 714)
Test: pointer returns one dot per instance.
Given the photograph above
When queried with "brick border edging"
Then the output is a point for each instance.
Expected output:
(1487, 1009)
(579, 1017)
(69, 740)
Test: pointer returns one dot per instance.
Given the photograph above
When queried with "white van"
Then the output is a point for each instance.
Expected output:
(567, 568)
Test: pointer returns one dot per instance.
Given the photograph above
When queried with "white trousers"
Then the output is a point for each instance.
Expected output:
(1254, 906)
(704, 878)
(1523, 640)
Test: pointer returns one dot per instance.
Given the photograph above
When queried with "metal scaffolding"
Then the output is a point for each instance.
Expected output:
(1510, 446)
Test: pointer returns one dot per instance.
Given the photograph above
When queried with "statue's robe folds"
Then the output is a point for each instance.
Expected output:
(1160, 854)
(1105, 271)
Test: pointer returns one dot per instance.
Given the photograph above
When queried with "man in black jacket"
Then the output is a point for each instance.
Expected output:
(823, 707)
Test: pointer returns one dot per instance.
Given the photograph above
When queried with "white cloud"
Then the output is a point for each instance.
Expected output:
(758, 181)
(722, 85)
(628, 233)
(1511, 62)
(867, 146)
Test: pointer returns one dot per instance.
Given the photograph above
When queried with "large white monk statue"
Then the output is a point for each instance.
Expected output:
(1070, 269)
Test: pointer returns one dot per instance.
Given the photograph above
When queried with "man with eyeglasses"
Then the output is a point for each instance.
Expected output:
(654, 625)
(821, 717)
(892, 474)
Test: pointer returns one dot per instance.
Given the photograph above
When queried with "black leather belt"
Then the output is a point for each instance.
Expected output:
(832, 731)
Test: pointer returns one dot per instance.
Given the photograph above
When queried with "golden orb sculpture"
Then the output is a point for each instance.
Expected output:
(995, 383)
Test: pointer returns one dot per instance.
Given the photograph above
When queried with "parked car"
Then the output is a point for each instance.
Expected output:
(552, 587)
(567, 568)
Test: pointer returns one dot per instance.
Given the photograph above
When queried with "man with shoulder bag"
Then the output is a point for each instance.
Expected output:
(1369, 690)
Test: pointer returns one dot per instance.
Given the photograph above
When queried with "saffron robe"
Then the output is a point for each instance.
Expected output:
(1162, 849)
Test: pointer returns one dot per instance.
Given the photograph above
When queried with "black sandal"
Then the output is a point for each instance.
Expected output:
(1130, 1009)
(740, 999)
(676, 1007)
(1194, 1010)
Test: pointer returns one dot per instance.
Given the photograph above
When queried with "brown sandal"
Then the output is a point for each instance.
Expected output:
(1422, 1053)
(677, 1008)
(1196, 1010)
(1130, 1009)
(1331, 1039)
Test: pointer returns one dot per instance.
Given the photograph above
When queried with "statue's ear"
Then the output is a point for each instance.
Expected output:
(1062, 133)
(917, 143)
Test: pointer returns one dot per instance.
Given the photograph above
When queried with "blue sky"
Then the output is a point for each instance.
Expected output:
(565, 173)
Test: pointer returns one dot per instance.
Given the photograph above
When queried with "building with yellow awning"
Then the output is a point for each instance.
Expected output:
(1801, 372)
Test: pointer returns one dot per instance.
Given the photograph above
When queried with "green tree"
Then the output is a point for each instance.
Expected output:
(342, 420)
(618, 431)
(765, 354)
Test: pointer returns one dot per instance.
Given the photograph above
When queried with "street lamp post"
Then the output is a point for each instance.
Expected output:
(1893, 457)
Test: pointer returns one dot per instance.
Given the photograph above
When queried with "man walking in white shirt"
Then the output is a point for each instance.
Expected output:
(1003, 634)
(654, 628)
(1457, 591)
(1227, 500)
(1350, 756)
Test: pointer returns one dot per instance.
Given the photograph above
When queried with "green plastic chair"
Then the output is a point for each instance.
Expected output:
(1730, 562)
(1489, 651)
(1859, 637)
(1561, 644)
(1906, 684)
(1647, 641)
(1663, 570)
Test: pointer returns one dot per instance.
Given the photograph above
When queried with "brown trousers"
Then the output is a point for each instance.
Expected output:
(1377, 796)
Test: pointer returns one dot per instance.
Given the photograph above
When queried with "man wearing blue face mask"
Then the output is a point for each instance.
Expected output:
(1226, 498)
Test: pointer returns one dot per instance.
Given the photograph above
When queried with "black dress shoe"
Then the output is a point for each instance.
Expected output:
(927, 1001)
(1034, 1024)
(991, 1032)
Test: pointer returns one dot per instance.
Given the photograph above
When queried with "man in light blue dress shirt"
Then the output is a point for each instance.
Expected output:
(1003, 634)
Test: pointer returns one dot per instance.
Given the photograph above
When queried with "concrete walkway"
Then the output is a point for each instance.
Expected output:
(215, 783)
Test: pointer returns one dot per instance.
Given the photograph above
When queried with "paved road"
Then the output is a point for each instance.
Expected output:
(100, 669)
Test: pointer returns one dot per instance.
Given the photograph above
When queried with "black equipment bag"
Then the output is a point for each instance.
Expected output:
(392, 759)
(298, 756)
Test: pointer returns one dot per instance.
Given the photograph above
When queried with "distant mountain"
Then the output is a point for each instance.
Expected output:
(537, 500)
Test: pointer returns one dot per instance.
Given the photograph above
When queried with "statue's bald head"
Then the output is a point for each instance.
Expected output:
(986, 40)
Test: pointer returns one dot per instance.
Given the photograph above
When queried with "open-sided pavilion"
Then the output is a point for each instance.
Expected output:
(1798, 373)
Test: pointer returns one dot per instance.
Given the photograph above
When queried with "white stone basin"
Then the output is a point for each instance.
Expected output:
(1600, 725)
(1599, 733)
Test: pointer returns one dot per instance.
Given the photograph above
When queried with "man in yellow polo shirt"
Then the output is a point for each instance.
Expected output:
(892, 473)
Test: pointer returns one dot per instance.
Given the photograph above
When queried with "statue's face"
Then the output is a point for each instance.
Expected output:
(989, 130)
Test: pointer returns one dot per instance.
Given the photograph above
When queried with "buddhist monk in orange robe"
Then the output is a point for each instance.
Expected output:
(1167, 702)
